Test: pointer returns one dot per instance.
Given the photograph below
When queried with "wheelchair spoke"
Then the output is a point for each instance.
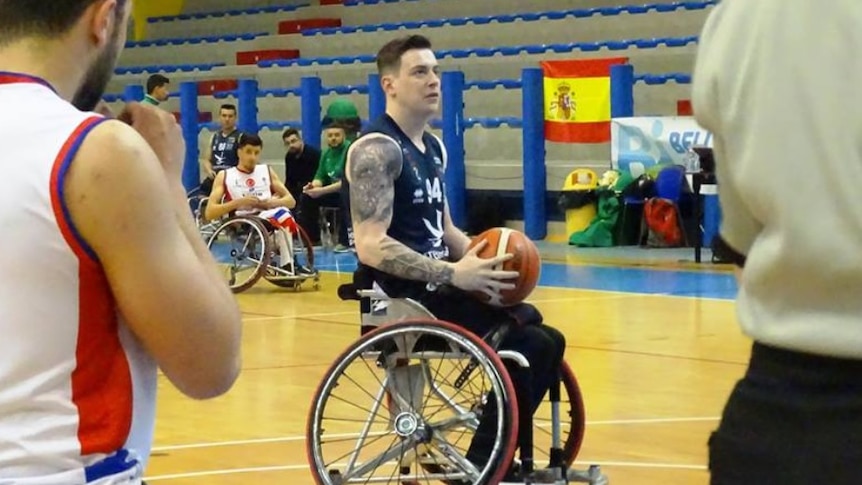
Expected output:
(371, 442)
(453, 454)
(365, 429)
(351, 404)
(386, 456)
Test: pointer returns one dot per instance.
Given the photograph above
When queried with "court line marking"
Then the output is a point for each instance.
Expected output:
(284, 439)
(303, 315)
(261, 317)
(231, 471)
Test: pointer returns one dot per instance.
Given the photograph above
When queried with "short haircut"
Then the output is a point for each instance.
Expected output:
(249, 139)
(155, 81)
(289, 132)
(41, 18)
(228, 107)
(389, 56)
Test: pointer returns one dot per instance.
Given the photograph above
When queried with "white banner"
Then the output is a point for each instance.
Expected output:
(652, 140)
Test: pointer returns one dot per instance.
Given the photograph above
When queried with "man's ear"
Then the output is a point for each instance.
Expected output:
(103, 18)
(387, 82)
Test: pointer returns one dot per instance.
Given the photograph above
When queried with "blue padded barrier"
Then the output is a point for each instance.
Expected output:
(535, 201)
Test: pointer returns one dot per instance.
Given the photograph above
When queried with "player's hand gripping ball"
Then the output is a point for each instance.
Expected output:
(525, 261)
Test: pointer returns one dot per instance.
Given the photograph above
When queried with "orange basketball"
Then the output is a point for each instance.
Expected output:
(526, 261)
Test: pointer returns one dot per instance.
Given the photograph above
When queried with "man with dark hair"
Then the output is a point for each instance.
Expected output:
(406, 240)
(251, 188)
(300, 162)
(220, 153)
(157, 90)
(97, 296)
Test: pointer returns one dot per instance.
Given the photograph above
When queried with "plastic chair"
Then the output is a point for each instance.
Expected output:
(669, 183)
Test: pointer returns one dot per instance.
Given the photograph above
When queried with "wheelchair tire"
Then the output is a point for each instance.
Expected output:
(255, 229)
(575, 436)
(463, 344)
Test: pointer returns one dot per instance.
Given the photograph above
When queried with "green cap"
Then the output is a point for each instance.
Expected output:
(342, 109)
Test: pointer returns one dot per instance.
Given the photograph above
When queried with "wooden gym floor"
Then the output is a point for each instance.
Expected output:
(656, 349)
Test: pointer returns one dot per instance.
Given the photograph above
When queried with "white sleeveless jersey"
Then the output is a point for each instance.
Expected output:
(239, 184)
(77, 392)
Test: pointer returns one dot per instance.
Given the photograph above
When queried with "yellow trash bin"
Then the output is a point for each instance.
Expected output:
(580, 209)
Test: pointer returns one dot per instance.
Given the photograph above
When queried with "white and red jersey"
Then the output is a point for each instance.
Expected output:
(77, 391)
(239, 184)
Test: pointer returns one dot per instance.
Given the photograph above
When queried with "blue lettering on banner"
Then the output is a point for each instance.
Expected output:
(682, 141)
(655, 140)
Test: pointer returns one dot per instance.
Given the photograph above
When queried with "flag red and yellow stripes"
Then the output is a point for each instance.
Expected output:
(578, 100)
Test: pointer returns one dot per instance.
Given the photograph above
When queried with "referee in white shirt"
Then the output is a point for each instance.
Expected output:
(778, 83)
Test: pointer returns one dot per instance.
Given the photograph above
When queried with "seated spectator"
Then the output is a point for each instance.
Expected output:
(325, 188)
(300, 162)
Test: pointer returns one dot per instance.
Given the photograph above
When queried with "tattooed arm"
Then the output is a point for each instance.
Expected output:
(373, 164)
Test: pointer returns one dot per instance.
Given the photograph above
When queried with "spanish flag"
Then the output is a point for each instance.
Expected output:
(578, 100)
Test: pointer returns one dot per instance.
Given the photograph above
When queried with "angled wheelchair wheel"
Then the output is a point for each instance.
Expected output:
(403, 405)
(572, 422)
(242, 248)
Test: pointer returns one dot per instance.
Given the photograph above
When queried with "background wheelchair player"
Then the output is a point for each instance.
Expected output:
(255, 189)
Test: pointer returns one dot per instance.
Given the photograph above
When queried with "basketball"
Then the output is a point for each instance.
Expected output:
(525, 260)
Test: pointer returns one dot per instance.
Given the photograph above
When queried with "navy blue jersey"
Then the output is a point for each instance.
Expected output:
(224, 150)
(418, 207)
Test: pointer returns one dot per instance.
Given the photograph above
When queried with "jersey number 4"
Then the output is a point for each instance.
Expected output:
(434, 190)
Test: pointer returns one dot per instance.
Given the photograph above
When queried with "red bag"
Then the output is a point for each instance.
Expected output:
(661, 219)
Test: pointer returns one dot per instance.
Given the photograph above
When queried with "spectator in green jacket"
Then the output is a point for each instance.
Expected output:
(326, 186)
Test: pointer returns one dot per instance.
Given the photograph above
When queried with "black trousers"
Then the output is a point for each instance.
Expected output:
(793, 419)
(541, 345)
(308, 216)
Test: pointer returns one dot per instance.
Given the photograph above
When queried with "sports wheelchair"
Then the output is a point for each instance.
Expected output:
(245, 248)
(404, 402)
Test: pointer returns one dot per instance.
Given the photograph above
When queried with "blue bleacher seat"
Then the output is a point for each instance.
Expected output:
(506, 18)
(167, 68)
(233, 12)
(195, 40)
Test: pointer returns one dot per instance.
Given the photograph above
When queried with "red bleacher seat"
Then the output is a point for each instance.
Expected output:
(297, 26)
(253, 57)
(203, 116)
(331, 2)
(683, 107)
(209, 87)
